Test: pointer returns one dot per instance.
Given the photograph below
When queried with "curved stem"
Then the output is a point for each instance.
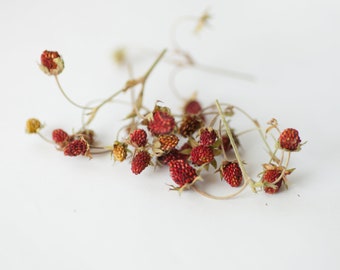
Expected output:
(67, 98)
(284, 170)
(210, 196)
(44, 138)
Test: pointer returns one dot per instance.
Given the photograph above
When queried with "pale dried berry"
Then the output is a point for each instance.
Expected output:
(231, 173)
(162, 123)
(168, 141)
(190, 124)
(59, 136)
(270, 176)
(208, 136)
(173, 154)
(138, 138)
(119, 151)
(181, 172)
(76, 148)
(140, 161)
(289, 139)
(51, 63)
(32, 125)
(201, 155)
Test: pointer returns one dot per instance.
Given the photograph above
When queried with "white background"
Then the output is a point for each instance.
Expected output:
(72, 213)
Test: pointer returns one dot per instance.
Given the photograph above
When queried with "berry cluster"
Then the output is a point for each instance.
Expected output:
(191, 144)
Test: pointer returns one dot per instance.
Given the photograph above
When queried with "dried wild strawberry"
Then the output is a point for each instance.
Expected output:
(119, 151)
(59, 136)
(270, 176)
(190, 124)
(192, 107)
(76, 148)
(232, 173)
(207, 136)
(181, 172)
(173, 154)
(289, 139)
(138, 138)
(32, 125)
(168, 141)
(162, 123)
(140, 161)
(201, 155)
(51, 63)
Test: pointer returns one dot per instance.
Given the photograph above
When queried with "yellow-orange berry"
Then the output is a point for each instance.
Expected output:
(119, 151)
(32, 125)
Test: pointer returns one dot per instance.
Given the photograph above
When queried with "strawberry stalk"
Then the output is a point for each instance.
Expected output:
(246, 177)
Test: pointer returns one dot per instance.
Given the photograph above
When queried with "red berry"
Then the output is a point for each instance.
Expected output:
(51, 63)
(270, 176)
(289, 139)
(207, 136)
(201, 155)
(162, 123)
(192, 107)
(181, 172)
(232, 173)
(140, 161)
(76, 148)
(138, 137)
(59, 136)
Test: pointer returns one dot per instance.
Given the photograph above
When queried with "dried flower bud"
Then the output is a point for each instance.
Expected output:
(51, 63)
(119, 151)
(32, 125)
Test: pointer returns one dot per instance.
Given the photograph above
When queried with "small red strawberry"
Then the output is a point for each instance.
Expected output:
(51, 63)
(77, 148)
(231, 173)
(201, 155)
(270, 176)
(162, 123)
(138, 138)
(181, 172)
(207, 136)
(140, 161)
(192, 107)
(289, 139)
(59, 136)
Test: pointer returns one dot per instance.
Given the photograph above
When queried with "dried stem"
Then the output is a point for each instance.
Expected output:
(67, 97)
(210, 196)
(246, 178)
